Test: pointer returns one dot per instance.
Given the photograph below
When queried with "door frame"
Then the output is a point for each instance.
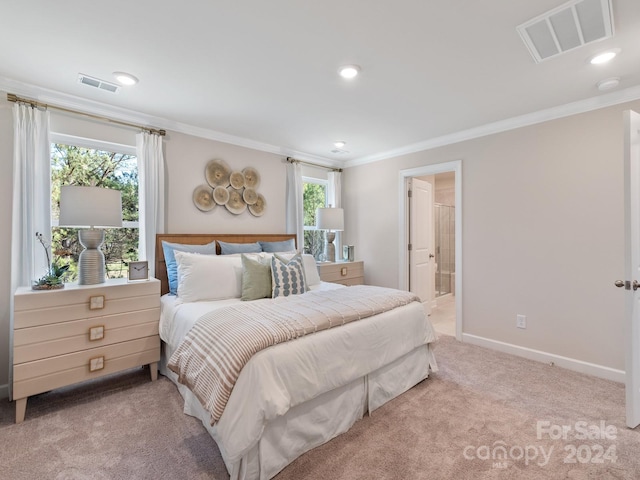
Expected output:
(403, 218)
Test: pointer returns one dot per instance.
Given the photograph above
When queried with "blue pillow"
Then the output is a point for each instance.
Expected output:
(172, 265)
(227, 248)
(283, 246)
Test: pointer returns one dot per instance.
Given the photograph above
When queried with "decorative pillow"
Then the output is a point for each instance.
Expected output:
(208, 277)
(170, 259)
(311, 274)
(256, 277)
(287, 277)
(227, 248)
(283, 246)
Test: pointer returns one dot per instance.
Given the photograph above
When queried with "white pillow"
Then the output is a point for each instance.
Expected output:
(310, 270)
(208, 277)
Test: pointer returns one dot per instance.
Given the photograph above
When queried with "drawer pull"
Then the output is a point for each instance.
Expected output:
(96, 333)
(96, 363)
(343, 271)
(96, 302)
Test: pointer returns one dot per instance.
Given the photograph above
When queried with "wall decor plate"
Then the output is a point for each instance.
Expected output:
(203, 198)
(220, 195)
(237, 180)
(251, 178)
(217, 173)
(258, 208)
(250, 196)
(235, 204)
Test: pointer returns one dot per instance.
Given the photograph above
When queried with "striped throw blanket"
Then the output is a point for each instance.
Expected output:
(221, 342)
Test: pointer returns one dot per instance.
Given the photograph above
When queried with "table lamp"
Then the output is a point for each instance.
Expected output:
(90, 207)
(331, 220)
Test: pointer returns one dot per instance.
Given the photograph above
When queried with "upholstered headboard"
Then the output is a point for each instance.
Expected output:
(201, 239)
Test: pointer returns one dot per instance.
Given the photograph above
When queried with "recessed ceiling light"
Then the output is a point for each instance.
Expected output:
(339, 144)
(349, 71)
(604, 57)
(608, 83)
(125, 78)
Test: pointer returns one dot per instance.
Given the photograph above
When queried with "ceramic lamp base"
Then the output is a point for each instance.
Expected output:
(91, 261)
(329, 247)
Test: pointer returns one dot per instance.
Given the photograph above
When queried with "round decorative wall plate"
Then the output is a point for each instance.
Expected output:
(250, 196)
(258, 208)
(237, 180)
(251, 177)
(235, 204)
(203, 198)
(217, 173)
(220, 195)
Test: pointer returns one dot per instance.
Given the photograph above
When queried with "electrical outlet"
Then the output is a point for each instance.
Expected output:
(521, 321)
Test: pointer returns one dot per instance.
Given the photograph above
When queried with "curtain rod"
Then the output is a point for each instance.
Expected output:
(15, 99)
(317, 165)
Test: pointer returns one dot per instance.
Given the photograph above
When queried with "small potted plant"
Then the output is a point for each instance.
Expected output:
(54, 278)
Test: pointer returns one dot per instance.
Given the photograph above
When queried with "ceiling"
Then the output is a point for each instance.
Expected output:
(264, 73)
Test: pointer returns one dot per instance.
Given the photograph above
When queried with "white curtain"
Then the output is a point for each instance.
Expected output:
(150, 194)
(295, 213)
(334, 198)
(31, 194)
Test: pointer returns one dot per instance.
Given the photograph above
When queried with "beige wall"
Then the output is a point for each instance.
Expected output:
(185, 158)
(543, 232)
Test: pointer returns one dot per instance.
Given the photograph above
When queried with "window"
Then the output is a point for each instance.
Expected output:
(96, 163)
(314, 196)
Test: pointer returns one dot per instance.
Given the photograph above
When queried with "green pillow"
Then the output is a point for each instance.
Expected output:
(256, 278)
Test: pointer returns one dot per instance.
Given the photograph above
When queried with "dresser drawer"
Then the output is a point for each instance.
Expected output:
(39, 376)
(50, 340)
(78, 308)
(346, 273)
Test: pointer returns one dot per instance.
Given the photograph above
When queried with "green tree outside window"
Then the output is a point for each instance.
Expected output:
(74, 165)
(314, 196)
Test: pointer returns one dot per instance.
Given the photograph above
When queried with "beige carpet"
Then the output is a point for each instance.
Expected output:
(126, 427)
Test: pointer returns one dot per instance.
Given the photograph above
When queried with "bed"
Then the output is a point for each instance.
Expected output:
(294, 396)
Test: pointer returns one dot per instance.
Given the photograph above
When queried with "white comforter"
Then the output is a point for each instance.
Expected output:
(289, 374)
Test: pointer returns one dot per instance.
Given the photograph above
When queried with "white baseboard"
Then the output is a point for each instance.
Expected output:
(544, 357)
(4, 391)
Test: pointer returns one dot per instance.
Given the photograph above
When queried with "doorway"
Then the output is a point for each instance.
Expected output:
(446, 313)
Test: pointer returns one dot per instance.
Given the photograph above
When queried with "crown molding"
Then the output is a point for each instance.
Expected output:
(93, 107)
(582, 106)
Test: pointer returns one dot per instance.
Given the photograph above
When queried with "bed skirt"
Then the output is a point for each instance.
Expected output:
(318, 420)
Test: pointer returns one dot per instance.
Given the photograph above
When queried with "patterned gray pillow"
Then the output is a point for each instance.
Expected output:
(287, 276)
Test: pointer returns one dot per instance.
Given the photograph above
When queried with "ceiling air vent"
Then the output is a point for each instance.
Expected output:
(566, 27)
(97, 83)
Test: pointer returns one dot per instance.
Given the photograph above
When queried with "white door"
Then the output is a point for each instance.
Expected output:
(421, 239)
(632, 265)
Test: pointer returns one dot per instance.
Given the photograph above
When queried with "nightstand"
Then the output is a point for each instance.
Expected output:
(61, 337)
(346, 273)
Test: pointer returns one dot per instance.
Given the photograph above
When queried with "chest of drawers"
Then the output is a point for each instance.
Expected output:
(82, 332)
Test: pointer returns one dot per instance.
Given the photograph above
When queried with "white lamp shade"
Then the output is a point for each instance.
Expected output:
(90, 207)
(330, 219)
